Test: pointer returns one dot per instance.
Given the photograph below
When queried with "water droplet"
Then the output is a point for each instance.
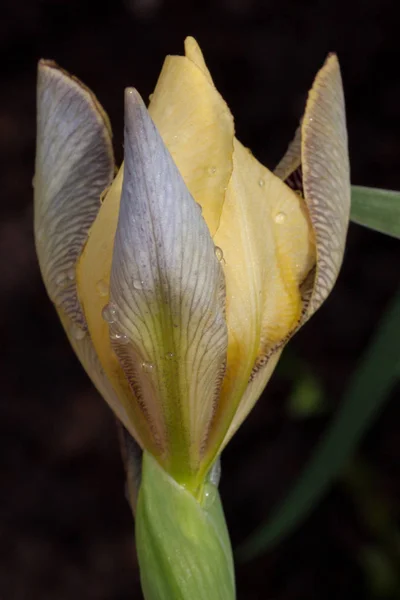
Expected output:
(102, 288)
(77, 332)
(138, 284)
(280, 218)
(211, 171)
(109, 313)
(119, 337)
(147, 367)
(60, 278)
(261, 182)
(71, 274)
(210, 495)
(169, 355)
(218, 253)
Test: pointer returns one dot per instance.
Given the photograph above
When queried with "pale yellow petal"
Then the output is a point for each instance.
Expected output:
(194, 53)
(255, 388)
(268, 250)
(197, 127)
(93, 282)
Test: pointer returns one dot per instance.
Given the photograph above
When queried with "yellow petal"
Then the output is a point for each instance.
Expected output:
(258, 380)
(197, 127)
(93, 283)
(193, 53)
(268, 250)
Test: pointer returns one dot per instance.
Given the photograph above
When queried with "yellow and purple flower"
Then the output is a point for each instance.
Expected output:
(180, 280)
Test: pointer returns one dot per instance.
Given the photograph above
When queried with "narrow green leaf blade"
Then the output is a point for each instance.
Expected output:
(376, 209)
(367, 391)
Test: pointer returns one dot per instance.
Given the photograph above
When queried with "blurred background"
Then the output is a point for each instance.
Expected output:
(65, 528)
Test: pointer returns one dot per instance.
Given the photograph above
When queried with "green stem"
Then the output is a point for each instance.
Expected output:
(183, 544)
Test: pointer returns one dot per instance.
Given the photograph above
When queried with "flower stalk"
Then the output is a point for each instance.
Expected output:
(177, 535)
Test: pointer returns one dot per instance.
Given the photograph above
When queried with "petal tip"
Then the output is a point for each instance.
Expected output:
(134, 106)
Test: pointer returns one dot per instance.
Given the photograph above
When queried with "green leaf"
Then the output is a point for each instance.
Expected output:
(183, 545)
(376, 209)
(366, 393)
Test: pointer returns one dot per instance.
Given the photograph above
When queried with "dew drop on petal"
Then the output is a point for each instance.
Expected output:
(138, 284)
(147, 367)
(280, 218)
(109, 313)
(71, 274)
(211, 171)
(261, 182)
(60, 278)
(218, 253)
(119, 337)
(210, 496)
(169, 355)
(77, 332)
(102, 288)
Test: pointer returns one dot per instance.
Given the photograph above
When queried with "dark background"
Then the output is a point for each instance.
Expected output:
(65, 528)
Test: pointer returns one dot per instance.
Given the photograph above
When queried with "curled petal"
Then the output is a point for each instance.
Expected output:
(326, 176)
(74, 164)
(292, 158)
(317, 165)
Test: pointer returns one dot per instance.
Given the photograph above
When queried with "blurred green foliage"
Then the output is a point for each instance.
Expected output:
(376, 209)
(369, 387)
